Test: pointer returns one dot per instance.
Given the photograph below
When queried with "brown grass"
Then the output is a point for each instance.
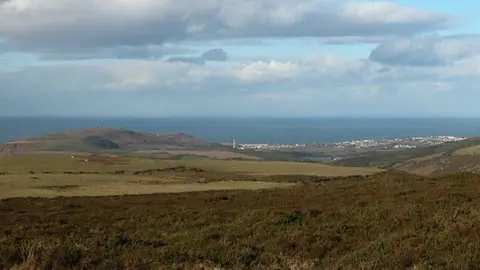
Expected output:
(54, 185)
(65, 175)
(473, 150)
(390, 221)
(61, 163)
(251, 215)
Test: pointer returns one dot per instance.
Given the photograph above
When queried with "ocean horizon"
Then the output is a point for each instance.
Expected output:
(252, 130)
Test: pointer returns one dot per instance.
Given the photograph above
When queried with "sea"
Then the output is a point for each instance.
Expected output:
(253, 130)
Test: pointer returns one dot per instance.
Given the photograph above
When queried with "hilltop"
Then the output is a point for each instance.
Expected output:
(446, 158)
(98, 139)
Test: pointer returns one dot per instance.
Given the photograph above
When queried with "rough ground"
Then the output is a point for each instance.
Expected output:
(442, 159)
(390, 221)
(62, 175)
(91, 163)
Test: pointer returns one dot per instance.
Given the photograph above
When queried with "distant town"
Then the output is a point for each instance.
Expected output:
(397, 143)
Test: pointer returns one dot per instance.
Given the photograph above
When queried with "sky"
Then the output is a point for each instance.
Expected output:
(247, 58)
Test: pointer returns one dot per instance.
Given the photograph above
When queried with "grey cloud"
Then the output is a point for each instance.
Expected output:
(352, 40)
(141, 87)
(426, 51)
(52, 26)
(190, 60)
(214, 55)
(119, 52)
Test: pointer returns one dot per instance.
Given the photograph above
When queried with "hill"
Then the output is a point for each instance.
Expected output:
(446, 158)
(425, 223)
(98, 139)
(51, 175)
(230, 215)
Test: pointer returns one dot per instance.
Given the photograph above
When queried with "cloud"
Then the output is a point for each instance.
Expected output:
(150, 52)
(320, 72)
(161, 67)
(426, 51)
(66, 27)
(214, 55)
(320, 85)
(190, 60)
(353, 40)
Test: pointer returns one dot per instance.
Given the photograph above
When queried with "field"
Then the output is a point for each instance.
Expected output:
(441, 159)
(61, 163)
(213, 154)
(53, 175)
(54, 185)
(294, 217)
(387, 221)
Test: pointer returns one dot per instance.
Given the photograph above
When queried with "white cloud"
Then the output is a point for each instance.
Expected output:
(383, 12)
(268, 71)
(321, 85)
(273, 76)
(162, 62)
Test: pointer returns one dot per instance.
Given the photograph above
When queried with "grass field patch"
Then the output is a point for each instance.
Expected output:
(101, 164)
(53, 185)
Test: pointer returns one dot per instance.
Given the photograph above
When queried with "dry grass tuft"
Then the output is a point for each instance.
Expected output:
(32, 254)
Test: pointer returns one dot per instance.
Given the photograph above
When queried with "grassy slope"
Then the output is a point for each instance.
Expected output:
(387, 159)
(50, 175)
(62, 163)
(392, 221)
(54, 185)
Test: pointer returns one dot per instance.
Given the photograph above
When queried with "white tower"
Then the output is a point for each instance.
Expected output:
(234, 144)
